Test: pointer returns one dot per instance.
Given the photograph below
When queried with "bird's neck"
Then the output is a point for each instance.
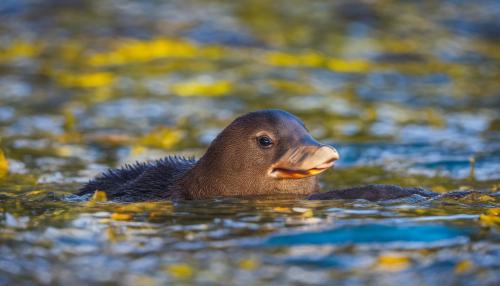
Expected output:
(203, 182)
(208, 179)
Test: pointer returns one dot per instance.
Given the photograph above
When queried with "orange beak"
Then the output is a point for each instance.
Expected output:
(304, 161)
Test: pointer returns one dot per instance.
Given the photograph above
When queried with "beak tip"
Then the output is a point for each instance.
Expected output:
(332, 153)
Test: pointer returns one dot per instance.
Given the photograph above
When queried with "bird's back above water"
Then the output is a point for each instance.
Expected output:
(142, 181)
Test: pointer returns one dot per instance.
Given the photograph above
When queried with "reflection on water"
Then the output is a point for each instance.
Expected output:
(256, 241)
(407, 90)
(373, 233)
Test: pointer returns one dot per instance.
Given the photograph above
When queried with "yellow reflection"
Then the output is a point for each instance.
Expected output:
(4, 165)
(198, 88)
(85, 80)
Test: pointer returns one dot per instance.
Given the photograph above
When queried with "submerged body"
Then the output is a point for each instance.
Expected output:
(267, 152)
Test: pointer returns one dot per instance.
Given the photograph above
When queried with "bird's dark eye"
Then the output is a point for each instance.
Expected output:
(265, 141)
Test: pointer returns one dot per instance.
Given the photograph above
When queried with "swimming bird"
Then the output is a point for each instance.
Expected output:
(262, 153)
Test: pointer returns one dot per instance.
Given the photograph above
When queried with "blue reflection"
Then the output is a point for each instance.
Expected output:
(371, 233)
